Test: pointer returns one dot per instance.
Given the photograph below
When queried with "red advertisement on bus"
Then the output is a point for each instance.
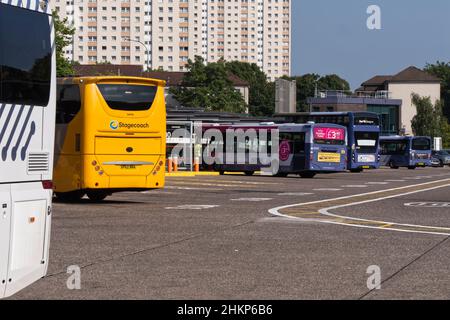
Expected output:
(326, 133)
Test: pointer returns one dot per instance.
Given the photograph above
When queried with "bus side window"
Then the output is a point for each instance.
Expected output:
(299, 142)
(68, 103)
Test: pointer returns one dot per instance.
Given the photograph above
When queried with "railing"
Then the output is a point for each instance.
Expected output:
(382, 94)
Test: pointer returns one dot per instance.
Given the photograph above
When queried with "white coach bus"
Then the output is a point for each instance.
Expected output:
(27, 125)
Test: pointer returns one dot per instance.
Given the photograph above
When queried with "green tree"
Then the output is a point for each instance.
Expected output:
(308, 84)
(446, 134)
(429, 120)
(207, 86)
(442, 71)
(261, 91)
(333, 82)
(63, 37)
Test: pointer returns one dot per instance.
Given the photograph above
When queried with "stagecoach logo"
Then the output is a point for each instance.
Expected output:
(114, 124)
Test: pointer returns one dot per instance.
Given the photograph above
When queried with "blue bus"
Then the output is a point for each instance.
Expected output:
(363, 130)
(308, 149)
(410, 152)
(304, 149)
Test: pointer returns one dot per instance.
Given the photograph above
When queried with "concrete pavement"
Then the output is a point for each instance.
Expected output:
(212, 237)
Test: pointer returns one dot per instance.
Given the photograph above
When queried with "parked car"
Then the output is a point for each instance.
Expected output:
(443, 156)
(435, 162)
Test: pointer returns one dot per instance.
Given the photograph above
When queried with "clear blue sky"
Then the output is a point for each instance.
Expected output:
(331, 36)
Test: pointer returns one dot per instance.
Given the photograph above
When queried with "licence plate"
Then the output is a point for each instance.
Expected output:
(127, 167)
(366, 167)
(329, 157)
(421, 164)
(366, 158)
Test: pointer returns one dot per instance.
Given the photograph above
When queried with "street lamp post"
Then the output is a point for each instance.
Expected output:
(145, 47)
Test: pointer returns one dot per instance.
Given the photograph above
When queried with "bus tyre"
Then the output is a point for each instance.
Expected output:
(97, 196)
(221, 172)
(281, 175)
(392, 165)
(307, 175)
(73, 196)
(359, 170)
(249, 173)
(412, 167)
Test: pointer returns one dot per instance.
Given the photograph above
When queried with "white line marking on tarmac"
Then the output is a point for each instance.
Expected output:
(295, 194)
(252, 199)
(325, 211)
(194, 189)
(328, 189)
(243, 182)
(355, 186)
(395, 180)
(429, 204)
(377, 183)
(192, 207)
(154, 192)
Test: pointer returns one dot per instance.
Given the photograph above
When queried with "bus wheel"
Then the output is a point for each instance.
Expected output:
(392, 165)
(73, 196)
(307, 175)
(249, 173)
(281, 175)
(222, 173)
(97, 196)
(359, 170)
(412, 167)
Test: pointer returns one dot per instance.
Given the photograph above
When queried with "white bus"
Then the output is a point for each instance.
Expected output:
(27, 129)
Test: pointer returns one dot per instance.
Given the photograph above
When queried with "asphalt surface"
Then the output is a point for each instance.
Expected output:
(213, 237)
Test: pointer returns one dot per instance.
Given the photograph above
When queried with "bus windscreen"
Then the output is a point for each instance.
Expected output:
(328, 135)
(128, 97)
(421, 144)
(25, 56)
(367, 141)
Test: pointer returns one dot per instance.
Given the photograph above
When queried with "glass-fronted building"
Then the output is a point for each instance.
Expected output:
(336, 101)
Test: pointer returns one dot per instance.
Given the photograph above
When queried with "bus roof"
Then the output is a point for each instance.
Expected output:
(285, 126)
(222, 126)
(35, 5)
(402, 137)
(333, 113)
(115, 79)
(296, 126)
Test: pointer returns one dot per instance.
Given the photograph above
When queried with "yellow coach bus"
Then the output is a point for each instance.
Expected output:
(110, 136)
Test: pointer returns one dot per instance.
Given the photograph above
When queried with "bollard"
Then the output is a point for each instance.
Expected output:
(196, 164)
(175, 164)
(169, 165)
